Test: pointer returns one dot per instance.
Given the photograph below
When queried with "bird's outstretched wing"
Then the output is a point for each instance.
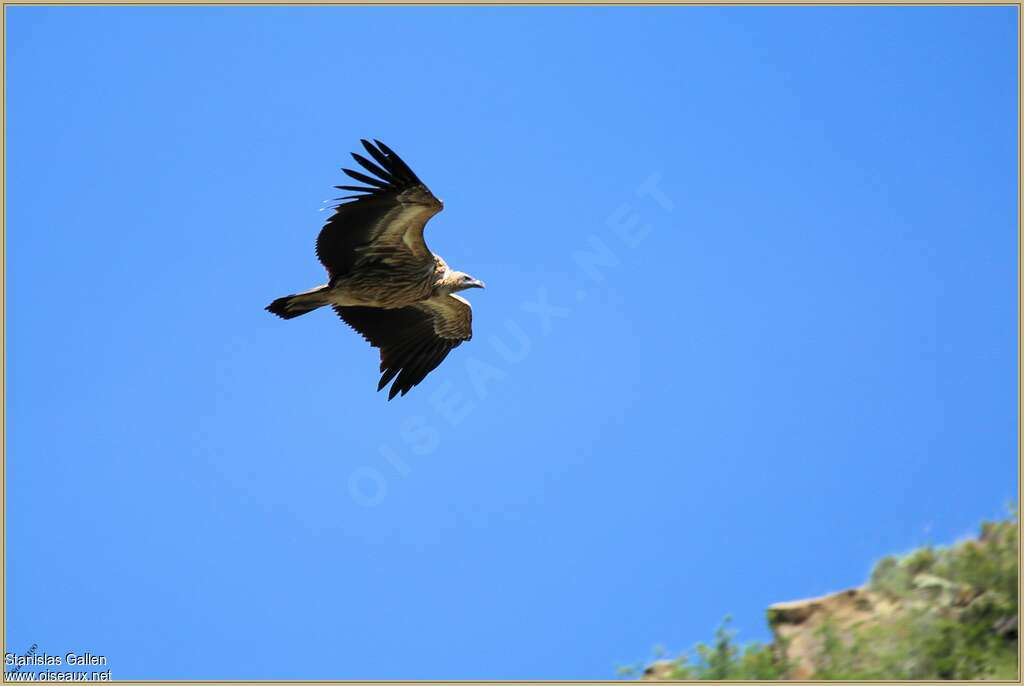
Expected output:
(413, 340)
(383, 221)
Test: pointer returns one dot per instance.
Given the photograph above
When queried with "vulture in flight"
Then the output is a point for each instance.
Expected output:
(382, 278)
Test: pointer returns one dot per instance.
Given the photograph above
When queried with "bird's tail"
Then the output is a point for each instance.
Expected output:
(291, 306)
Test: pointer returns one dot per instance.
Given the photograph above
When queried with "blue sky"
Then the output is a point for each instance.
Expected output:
(750, 325)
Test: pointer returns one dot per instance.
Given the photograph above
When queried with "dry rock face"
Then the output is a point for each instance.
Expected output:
(797, 625)
(662, 670)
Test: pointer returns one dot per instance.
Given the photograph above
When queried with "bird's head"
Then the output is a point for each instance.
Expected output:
(460, 281)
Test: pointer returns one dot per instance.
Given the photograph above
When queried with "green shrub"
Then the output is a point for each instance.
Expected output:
(725, 660)
(954, 599)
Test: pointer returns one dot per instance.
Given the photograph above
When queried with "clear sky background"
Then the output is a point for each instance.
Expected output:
(750, 325)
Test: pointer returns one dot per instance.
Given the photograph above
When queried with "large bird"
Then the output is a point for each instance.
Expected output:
(383, 280)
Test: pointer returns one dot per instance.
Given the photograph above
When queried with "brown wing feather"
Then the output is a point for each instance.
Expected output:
(384, 221)
(413, 340)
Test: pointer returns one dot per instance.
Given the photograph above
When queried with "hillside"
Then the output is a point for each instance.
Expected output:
(935, 613)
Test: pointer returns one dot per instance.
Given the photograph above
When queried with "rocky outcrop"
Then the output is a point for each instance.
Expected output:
(946, 612)
(798, 626)
(662, 670)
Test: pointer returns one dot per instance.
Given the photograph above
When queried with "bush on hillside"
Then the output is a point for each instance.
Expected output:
(957, 619)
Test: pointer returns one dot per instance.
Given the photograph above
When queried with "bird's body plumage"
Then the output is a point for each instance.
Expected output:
(384, 281)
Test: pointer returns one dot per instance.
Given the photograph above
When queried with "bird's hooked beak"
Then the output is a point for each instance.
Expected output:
(476, 283)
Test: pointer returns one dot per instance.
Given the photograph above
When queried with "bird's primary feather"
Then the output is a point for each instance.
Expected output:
(412, 340)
